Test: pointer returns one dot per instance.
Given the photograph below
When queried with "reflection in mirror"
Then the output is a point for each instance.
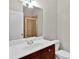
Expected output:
(33, 22)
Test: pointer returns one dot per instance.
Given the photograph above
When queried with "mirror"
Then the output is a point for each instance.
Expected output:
(17, 14)
(33, 22)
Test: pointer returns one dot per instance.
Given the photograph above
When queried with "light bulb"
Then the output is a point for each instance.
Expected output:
(30, 5)
(36, 4)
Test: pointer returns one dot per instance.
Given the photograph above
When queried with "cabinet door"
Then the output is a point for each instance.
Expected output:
(30, 28)
(48, 53)
(45, 55)
(36, 55)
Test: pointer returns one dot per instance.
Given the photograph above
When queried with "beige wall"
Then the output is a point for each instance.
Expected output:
(15, 19)
(63, 23)
(15, 5)
(49, 18)
(56, 21)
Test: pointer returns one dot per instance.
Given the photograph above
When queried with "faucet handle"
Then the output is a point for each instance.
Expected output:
(29, 42)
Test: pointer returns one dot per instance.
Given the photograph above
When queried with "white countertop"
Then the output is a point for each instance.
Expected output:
(20, 50)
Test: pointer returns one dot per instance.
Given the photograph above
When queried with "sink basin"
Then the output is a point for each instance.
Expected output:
(32, 46)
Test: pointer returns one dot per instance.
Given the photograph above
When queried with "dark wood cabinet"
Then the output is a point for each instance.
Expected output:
(36, 55)
(46, 53)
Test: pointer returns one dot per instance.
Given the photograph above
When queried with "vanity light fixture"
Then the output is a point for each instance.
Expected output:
(29, 3)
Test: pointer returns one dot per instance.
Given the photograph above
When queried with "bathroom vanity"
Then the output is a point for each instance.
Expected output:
(39, 49)
(46, 53)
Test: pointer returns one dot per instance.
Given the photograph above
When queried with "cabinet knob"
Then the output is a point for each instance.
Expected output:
(49, 50)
